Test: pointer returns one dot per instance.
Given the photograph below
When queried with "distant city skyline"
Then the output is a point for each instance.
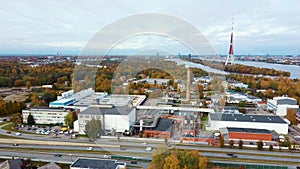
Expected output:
(50, 27)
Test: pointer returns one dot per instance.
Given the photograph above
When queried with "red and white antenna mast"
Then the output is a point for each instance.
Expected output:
(230, 56)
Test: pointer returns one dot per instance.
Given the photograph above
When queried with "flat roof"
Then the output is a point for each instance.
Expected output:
(62, 101)
(107, 110)
(164, 125)
(247, 118)
(94, 163)
(248, 130)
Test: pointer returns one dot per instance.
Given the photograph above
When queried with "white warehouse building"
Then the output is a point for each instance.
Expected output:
(118, 118)
(279, 105)
(217, 121)
(45, 115)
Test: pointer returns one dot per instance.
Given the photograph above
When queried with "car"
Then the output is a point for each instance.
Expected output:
(106, 156)
(133, 162)
(18, 134)
(122, 148)
(144, 143)
(57, 155)
(148, 149)
(8, 132)
(89, 148)
(15, 144)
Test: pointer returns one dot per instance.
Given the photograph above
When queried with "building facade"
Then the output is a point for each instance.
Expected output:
(45, 115)
(279, 105)
(118, 119)
(217, 121)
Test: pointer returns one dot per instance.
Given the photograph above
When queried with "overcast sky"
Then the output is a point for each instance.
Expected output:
(65, 26)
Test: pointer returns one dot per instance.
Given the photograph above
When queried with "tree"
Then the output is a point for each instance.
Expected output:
(16, 119)
(271, 147)
(30, 120)
(231, 143)
(70, 118)
(172, 162)
(260, 145)
(93, 129)
(241, 144)
(291, 116)
(221, 141)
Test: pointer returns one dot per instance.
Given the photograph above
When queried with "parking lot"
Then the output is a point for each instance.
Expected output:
(54, 131)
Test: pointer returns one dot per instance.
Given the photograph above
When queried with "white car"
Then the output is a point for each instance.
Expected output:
(18, 134)
(148, 149)
(90, 148)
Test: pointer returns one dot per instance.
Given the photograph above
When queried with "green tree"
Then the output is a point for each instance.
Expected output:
(70, 118)
(30, 120)
(93, 129)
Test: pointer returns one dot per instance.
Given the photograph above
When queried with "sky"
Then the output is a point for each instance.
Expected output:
(53, 26)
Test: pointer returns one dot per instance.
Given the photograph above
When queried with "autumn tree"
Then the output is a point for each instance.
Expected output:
(259, 145)
(241, 144)
(231, 143)
(70, 118)
(291, 116)
(16, 119)
(221, 141)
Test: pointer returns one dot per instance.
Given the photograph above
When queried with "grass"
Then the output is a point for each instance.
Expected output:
(2, 123)
(10, 127)
(8, 137)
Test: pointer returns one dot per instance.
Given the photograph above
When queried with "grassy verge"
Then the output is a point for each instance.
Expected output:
(8, 137)
(2, 123)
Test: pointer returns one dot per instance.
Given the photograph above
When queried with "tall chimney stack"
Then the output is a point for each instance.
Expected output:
(188, 85)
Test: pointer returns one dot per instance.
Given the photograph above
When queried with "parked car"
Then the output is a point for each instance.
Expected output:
(90, 148)
(15, 144)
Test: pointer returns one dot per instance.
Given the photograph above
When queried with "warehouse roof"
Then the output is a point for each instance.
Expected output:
(107, 110)
(247, 118)
(248, 130)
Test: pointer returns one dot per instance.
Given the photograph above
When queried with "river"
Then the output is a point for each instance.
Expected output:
(293, 69)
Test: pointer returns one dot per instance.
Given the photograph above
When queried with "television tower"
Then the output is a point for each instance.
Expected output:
(230, 56)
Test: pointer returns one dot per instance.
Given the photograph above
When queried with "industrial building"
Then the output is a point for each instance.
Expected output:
(237, 133)
(89, 163)
(113, 118)
(279, 105)
(45, 115)
(217, 121)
